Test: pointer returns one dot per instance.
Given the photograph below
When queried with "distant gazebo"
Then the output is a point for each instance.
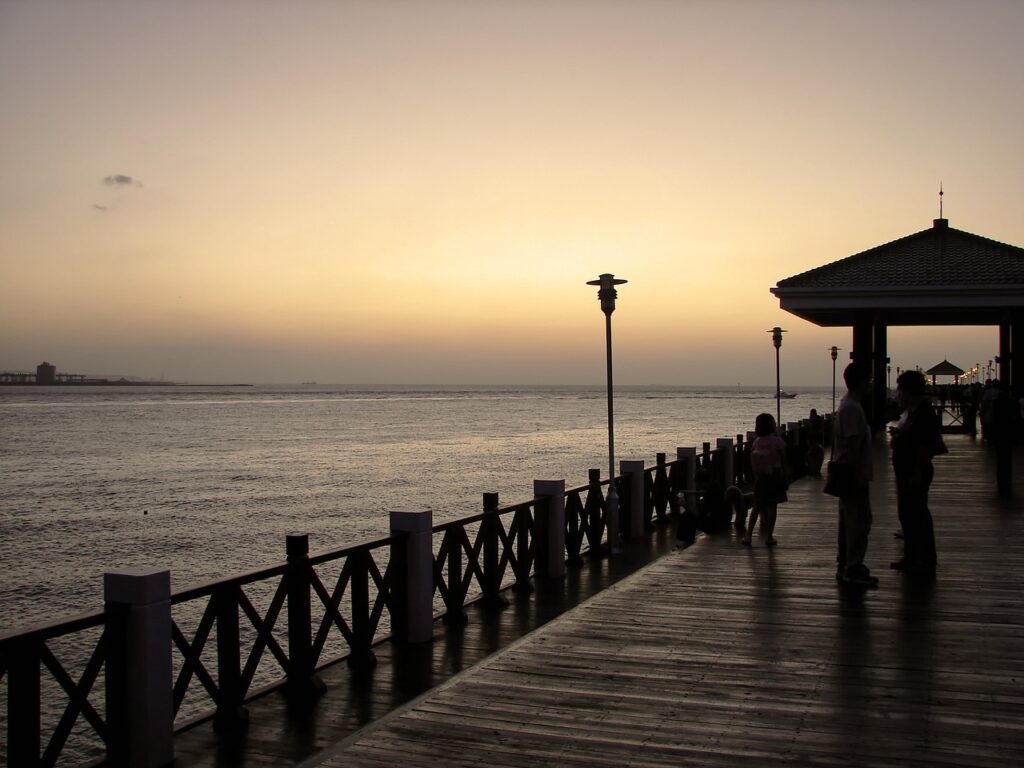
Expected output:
(945, 368)
(939, 276)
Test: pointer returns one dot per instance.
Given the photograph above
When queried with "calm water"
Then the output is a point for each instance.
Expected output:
(208, 481)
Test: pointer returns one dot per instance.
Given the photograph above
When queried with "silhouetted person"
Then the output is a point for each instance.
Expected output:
(914, 443)
(852, 446)
(768, 462)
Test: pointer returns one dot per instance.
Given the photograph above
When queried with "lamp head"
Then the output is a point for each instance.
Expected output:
(607, 293)
(776, 333)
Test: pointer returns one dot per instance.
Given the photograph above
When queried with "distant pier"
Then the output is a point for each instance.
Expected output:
(47, 375)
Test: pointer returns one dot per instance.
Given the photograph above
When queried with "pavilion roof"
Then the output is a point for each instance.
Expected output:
(938, 276)
(937, 256)
(945, 368)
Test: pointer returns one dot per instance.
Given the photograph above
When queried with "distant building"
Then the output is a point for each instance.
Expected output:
(46, 374)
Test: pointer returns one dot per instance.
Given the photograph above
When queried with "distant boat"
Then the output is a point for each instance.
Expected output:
(787, 395)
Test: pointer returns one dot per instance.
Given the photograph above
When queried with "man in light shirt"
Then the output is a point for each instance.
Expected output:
(852, 446)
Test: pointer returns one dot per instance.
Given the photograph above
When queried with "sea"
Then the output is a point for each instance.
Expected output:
(208, 481)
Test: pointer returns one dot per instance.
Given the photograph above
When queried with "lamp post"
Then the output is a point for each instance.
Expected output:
(835, 354)
(607, 295)
(776, 333)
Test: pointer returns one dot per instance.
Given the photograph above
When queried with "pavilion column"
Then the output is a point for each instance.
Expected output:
(862, 343)
(1005, 351)
(879, 391)
(1017, 355)
(863, 353)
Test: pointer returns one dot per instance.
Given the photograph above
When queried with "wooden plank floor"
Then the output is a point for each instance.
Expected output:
(722, 655)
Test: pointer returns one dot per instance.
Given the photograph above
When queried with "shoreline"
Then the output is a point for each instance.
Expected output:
(78, 385)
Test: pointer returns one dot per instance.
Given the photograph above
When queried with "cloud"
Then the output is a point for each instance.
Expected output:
(121, 180)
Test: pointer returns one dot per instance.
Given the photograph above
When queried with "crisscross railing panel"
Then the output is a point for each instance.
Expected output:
(459, 570)
(331, 604)
(192, 658)
(518, 541)
(263, 627)
(228, 622)
(355, 613)
(54, 702)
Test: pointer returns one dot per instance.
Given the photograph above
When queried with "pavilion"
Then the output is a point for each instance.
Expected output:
(939, 276)
(945, 368)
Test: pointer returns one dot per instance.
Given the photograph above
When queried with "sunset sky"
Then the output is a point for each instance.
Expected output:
(417, 192)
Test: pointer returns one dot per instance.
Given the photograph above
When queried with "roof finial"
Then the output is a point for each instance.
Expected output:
(940, 199)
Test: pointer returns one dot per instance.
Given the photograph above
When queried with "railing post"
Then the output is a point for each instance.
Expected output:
(550, 550)
(302, 677)
(491, 586)
(687, 528)
(139, 677)
(661, 486)
(634, 470)
(413, 620)
(726, 450)
(230, 709)
(23, 704)
(689, 458)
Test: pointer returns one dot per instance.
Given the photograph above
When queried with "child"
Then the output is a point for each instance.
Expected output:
(768, 461)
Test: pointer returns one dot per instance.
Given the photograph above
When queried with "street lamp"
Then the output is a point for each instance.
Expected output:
(607, 295)
(835, 354)
(776, 333)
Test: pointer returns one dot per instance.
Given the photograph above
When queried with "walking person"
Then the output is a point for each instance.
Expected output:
(852, 447)
(914, 443)
(768, 462)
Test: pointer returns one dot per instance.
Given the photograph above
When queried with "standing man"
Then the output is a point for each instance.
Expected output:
(914, 443)
(852, 446)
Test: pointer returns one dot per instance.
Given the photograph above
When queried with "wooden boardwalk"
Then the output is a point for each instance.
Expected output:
(722, 655)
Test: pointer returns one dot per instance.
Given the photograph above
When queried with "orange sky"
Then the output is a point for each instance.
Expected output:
(391, 192)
